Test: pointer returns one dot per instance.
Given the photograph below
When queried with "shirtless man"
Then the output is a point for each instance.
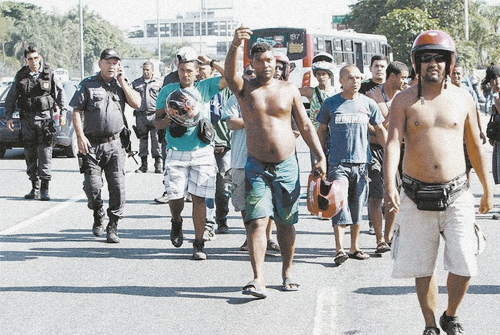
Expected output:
(267, 105)
(396, 78)
(432, 118)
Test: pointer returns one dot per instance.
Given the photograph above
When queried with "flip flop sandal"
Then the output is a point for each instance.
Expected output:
(359, 255)
(341, 257)
(254, 288)
(382, 247)
(289, 285)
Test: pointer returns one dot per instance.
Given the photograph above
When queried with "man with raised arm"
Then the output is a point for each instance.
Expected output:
(432, 118)
(272, 172)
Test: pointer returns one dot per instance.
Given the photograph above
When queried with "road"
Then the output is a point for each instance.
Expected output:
(57, 278)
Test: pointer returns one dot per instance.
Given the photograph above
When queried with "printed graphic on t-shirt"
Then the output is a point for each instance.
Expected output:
(351, 118)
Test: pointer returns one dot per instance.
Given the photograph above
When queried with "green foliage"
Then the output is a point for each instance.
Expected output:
(402, 20)
(401, 27)
(58, 36)
(168, 51)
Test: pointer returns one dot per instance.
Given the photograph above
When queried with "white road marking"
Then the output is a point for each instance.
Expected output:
(325, 316)
(42, 215)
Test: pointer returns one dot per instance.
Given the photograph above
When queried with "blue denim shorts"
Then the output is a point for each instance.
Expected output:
(357, 179)
(272, 189)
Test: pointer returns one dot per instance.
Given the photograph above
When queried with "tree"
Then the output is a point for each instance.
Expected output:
(168, 51)
(401, 27)
(371, 16)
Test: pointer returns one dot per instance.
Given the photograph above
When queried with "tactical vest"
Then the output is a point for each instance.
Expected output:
(35, 93)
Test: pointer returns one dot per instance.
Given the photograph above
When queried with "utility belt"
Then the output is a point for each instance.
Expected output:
(101, 140)
(434, 197)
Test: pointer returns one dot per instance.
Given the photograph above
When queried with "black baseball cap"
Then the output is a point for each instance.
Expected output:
(110, 53)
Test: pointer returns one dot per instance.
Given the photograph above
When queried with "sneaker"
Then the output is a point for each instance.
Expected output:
(431, 331)
(209, 235)
(198, 253)
(222, 227)
(451, 327)
(371, 230)
(176, 236)
(495, 217)
(163, 199)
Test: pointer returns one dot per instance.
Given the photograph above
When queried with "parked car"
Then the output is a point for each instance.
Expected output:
(66, 136)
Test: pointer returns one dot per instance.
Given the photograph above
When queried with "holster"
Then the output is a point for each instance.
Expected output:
(49, 133)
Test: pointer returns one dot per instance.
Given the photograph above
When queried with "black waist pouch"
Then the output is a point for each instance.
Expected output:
(206, 131)
(433, 197)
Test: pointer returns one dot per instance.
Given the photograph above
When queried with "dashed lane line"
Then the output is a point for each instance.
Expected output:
(325, 315)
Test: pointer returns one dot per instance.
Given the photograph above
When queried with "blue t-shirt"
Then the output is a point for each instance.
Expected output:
(206, 90)
(348, 125)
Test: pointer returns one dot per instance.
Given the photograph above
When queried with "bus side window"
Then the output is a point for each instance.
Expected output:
(328, 47)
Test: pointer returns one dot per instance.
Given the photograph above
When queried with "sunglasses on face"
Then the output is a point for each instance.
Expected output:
(280, 68)
(428, 58)
(249, 72)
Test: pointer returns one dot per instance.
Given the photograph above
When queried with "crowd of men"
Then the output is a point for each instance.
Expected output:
(399, 148)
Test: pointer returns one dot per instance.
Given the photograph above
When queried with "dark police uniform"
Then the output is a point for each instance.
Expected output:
(36, 94)
(145, 121)
(102, 105)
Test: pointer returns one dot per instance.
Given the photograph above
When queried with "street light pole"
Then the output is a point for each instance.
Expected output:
(466, 18)
(82, 49)
(158, 28)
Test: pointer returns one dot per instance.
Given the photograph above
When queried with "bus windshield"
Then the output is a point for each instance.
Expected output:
(290, 41)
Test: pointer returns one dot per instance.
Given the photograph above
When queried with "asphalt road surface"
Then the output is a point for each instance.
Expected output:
(57, 278)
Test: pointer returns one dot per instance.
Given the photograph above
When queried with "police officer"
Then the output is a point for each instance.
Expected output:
(36, 92)
(148, 86)
(101, 100)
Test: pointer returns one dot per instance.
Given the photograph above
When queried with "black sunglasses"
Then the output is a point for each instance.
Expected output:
(248, 72)
(279, 68)
(428, 58)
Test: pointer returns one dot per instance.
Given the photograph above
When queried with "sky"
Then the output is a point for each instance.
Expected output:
(253, 13)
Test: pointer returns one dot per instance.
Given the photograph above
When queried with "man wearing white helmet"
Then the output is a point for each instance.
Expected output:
(190, 161)
(432, 118)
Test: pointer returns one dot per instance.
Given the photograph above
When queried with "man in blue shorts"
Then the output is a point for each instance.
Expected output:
(346, 117)
(433, 118)
(272, 173)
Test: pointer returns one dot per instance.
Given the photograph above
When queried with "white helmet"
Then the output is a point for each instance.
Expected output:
(323, 56)
(322, 65)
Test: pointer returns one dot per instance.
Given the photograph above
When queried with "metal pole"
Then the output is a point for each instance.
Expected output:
(201, 22)
(466, 18)
(82, 48)
(158, 28)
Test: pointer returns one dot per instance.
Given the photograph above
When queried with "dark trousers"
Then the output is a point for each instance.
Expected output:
(108, 158)
(37, 153)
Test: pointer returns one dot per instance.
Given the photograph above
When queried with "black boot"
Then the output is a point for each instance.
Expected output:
(158, 165)
(144, 165)
(35, 190)
(198, 254)
(111, 230)
(176, 236)
(44, 190)
(98, 227)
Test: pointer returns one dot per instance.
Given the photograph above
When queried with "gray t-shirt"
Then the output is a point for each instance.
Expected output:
(348, 124)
